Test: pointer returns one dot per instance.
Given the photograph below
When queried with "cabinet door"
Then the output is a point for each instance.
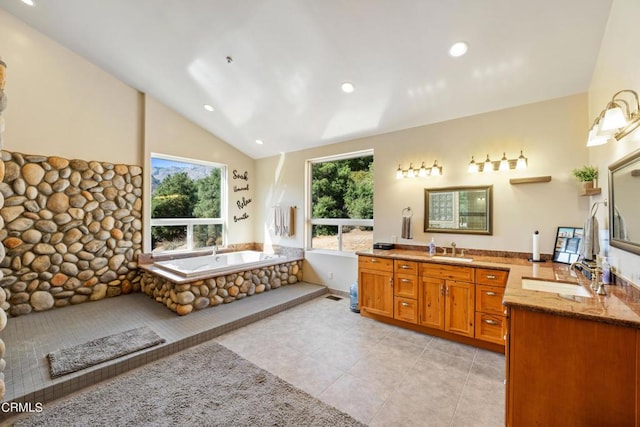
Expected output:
(375, 292)
(406, 309)
(431, 300)
(459, 307)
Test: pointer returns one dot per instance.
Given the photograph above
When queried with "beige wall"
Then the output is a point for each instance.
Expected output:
(166, 132)
(61, 104)
(617, 68)
(551, 134)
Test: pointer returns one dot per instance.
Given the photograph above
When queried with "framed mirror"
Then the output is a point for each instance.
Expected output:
(466, 210)
(624, 208)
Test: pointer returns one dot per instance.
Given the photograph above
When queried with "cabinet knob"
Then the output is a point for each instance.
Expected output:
(490, 294)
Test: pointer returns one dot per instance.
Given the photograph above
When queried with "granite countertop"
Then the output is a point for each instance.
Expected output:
(621, 305)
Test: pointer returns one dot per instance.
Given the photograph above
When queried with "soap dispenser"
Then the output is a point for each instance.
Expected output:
(432, 247)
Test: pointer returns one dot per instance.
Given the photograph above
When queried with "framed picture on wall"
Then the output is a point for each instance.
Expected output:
(567, 245)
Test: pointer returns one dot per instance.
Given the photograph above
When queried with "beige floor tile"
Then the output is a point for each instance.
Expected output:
(482, 400)
(311, 376)
(452, 347)
(357, 397)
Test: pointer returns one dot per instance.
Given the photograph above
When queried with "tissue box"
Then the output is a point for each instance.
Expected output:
(384, 246)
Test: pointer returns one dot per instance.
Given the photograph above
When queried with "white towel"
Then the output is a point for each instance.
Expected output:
(590, 244)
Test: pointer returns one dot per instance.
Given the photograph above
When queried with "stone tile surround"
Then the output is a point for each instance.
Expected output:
(72, 230)
(184, 298)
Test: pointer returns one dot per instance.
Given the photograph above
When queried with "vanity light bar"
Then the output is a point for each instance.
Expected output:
(503, 164)
(618, 119)
(421, 172)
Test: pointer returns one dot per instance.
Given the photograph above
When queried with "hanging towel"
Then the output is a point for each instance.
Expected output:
(407, 230)
(292, 221)
(590, 244)
(619, 227)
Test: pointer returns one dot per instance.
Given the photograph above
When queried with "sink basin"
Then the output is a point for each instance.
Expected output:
(556, 287)
(451, 258)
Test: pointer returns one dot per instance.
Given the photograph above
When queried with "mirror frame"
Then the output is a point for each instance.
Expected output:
(627, 160)
(488, 231)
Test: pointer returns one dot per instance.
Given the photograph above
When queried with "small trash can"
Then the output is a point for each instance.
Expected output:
(353, 295)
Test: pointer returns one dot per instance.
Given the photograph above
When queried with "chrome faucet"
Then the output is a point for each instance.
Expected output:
(453, 249)
(215, 250)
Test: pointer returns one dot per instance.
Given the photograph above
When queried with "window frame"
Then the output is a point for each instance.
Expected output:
(191, 222)
(339, 222)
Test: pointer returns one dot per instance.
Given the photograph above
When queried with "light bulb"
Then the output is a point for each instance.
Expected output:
(488, 166)
(435, 169)
(422, 173)
(504, 163)
(473, 166)
(399, 174)
(522, 162)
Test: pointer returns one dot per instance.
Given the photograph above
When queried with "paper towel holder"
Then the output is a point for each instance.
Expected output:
(536, 233)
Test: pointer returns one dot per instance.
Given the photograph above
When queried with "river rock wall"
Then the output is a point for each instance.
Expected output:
(72, 230)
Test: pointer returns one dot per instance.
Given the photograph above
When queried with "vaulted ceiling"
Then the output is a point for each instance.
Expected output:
(272, 69)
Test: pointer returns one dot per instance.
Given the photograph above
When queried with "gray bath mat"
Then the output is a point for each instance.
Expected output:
(72, 359)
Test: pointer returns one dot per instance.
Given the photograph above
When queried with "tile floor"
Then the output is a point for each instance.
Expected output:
(30, 338)
(380, 374)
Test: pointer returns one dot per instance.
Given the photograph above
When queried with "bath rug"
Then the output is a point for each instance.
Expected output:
(73, 359)
(205, 385)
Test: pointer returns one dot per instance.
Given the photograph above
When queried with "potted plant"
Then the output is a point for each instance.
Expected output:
(587, 175)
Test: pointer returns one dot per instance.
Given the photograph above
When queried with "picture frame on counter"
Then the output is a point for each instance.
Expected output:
(566, 249)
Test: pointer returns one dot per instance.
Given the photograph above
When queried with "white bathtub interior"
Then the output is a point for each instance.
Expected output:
(221, 263)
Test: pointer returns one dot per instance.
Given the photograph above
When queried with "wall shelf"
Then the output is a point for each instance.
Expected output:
(590, 191)
(531, 180)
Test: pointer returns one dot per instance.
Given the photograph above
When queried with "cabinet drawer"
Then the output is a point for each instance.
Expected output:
(485, 276)
(448, 272)
(406, 286)
(375, 263)
(490, 328)
(489, 300)
(405, 267)
(405, 309)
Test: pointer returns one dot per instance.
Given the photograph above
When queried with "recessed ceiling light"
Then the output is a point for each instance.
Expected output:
(458, 49)
(208, 107)
(348, 87)
(29, 2)
(259, 142)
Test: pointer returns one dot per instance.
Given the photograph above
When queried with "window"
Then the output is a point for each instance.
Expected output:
(187, 203)
(340, 202)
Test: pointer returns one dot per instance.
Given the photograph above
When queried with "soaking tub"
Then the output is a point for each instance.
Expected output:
(220, 264)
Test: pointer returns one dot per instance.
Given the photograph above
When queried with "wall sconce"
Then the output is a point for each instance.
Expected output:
(422, 171)
(503, 164)
(614, 123)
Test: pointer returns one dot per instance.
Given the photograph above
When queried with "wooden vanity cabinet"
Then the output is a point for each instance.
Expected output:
(405, 291)
(375, 285)
(569, 371)
(446, 301)
(490, 314)
(455, 302)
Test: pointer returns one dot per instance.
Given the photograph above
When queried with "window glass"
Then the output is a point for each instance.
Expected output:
(186, 204)
(342, 203)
